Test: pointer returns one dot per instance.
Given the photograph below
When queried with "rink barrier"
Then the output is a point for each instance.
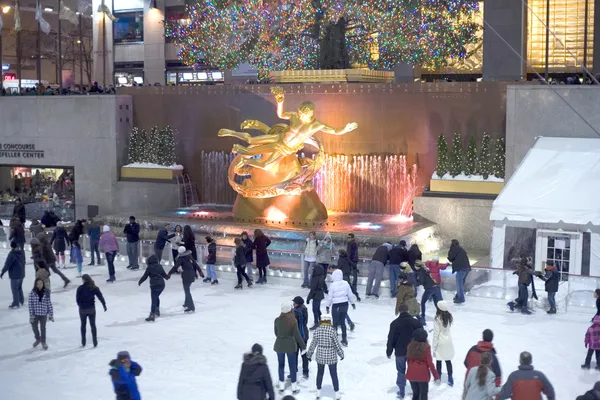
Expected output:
(575, 293)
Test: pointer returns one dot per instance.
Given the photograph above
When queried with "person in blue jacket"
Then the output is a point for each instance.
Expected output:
(162, 238)
(15, 266)
(93, 231)
(123, 372)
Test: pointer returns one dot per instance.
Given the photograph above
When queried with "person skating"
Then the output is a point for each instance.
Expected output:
(239, 260)
(77, 257)
(110, 247)
(443, 348)
(593, 394)
(19, 210)
(50, 258)
(248, 245)
(524, 272)
(76, 231)
(286, 345)
(310, 257)
(162, 237)
(132, 231)
(352, 248)
(552, 278)
(189, 273)
(85, 297)
(480, 383)
(592, 343)
(255, 379)
(339, 296)
(93, 231)
(59, 244)
(189, 241)
(325, 251)
(35, 227)
(414, 254)
(398, 254)
(211, 260)
(345, 265)
(157, 275)
(301, 313)
(420, 364)
(378, 262)
(485, 346)
(327, 346)
(431, 286)
(461, 266)
(526, 383)
(42, 272)
(15, 266)
(17, 233)
(40, 310)
(406, 292)
(261, 242)
(123, 372)
(318, 288)
(400, 335)
(177, 241)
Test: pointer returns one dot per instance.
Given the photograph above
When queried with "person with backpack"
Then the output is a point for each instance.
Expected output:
(255, 379)
(157, 275)
(301, 313)
(15, 266)
(87, 307)
(328, 349)
(552, 279)
(481, 381)
(318, 288)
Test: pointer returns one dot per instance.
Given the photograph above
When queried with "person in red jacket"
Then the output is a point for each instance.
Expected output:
(473, 358)
(420, 364)
(434, 266)
(526, 383)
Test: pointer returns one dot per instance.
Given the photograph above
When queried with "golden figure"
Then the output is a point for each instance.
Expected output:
(279, 179)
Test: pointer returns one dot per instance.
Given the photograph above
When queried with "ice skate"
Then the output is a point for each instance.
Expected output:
(37, 342)
(314, 327)
(134, 268)
(95, 342)
(238, 286)
(13, 306)
(150, 318)
(511, 305)
(205, 280)
(345, 342)
(249, 283)
(584, 366)
(129, 267)
(281, 386)
(525, 311)
(351, 326)
(295, 388)
(338, 395)
(66, 283)
(552, 311)
(157, 313)
(215, 282)
(318, 395)
(188, 310)
(44, 346)
(450, 381)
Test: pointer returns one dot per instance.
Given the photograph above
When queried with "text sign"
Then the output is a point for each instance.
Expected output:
(18, 150)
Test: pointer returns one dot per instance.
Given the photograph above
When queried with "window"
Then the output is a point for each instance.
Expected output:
(176, 16)
(130, 27)
(559, 251)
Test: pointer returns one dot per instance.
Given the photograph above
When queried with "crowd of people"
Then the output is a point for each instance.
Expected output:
(407, 338)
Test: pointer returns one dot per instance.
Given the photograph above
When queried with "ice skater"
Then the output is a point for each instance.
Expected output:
(301, 313)
(431, 286)
(76, 257)
(109, 245)
(461, 266)
(59, 244)
(420, 364)
(189, 273)
(48, 254)
(339, 296)
(255, 379)
(318, 288)
(239, 261)
(261, 242)
(592, 342)
(210, 261)
(286, 345)
(310, 257)
(248, 249)
(85, 297)
(327, 346)
(443, 347)
(157, 275)
(345, 265)
(40, 310)
(552, 278)
(123, 372)
(525, 273)
(378, 262)
(15, 266)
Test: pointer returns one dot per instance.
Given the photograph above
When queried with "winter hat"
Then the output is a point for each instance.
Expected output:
(403, 243)
(181, 250)
(286, 308)
(298, 300)
(13, 244)
(404, 265)
(132, 218)
(325, 317)
(488, 335)
(257, 348)
(122, 355)
(442, 305)
(106, 228)
(420, 335)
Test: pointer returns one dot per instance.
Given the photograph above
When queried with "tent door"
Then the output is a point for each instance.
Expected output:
(562, 248)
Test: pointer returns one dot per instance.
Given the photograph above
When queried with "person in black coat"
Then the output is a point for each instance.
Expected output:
(59, 244)
(132, 230)
(593, 394)
(248, 246)
(352, 248)
(552, 279)
(399, 336)
(162, 237)
(239, 261)
(414, 254)
(50, 257)
(398, 255)
(157, 276)
(210, 261)
(261, 242)
(87, 307)
(76, 231)
(189, 273)
(378, 262)
(461, 266)
(255, 379)
(15, 266)
(17, 233)
(301, 313)
(318, 288)
(189, 241)
(19, 210)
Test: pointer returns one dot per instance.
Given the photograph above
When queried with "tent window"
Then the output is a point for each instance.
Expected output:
(559, 251)
(518, 242)
(586, 254)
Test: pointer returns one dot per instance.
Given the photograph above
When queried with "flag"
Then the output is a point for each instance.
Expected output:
(103, 8)
(44, 25)
(83, 6)
(17, 17)
(1, 24)
(67, 14)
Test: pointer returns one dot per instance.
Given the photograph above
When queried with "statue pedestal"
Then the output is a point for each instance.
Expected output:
(304, 207)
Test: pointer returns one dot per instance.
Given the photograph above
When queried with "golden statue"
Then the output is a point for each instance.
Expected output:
(280, 183)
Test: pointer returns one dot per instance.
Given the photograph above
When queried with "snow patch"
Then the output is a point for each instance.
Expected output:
(463, 177)
(151, 165)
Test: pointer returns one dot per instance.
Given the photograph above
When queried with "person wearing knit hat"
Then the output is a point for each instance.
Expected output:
(301, 313)
(473, 357)
(123, 372)
(255, 379)
(443, 348)
(190, 270)
(109, 245)
(287, 342)
(420, 364)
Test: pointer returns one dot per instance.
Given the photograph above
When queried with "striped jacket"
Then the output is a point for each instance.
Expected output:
(327, 344)
(40, 307)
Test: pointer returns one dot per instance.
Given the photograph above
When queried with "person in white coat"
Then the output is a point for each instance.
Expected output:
(481, 381)
(339, 296)
(310, 258)
(443, 348)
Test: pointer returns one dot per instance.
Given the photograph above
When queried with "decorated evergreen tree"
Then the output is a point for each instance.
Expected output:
(152, 147)
(485, 157)
(471, 158)
(165, 152)
(441, 168)
(136, 143)
(455, 166)
(499, 158)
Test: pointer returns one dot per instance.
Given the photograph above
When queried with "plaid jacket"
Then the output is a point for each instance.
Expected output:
(327, 344)
(40, 308)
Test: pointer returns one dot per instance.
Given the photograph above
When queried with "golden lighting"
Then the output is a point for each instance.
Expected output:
(5, 9)
(374, 47)
(567, 21)
(274, 214)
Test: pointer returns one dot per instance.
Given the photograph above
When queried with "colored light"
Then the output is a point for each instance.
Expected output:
(182, 212)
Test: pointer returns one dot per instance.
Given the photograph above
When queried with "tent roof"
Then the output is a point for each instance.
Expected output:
(558, 180)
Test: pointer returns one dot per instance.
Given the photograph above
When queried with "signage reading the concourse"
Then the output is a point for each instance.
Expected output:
(17, 150)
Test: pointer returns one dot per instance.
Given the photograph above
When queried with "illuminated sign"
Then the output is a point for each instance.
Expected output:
(5, 67)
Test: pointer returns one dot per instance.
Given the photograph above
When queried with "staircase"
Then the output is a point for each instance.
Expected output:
(188, 192)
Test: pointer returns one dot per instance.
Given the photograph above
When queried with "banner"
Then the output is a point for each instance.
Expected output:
(17, 17)
(44, 25)
(67, 14)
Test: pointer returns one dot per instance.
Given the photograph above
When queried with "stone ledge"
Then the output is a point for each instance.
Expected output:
(332, 75)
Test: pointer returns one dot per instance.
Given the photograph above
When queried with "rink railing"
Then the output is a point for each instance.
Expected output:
(574, 295)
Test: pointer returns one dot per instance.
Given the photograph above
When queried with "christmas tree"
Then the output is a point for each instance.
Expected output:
(165, 153)
(136, 143)
(455, 166)
(499, 158)
(325, 34)
(156, 146)
(153, 145)
(441, 168)
(485, 157)
(471, 158)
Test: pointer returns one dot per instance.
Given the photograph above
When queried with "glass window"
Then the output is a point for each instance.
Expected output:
(129, 28)
(122, 5)
(559, 253)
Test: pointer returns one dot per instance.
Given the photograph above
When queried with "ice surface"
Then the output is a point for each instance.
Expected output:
(198, 356)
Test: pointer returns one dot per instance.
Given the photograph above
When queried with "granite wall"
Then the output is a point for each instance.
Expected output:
(467, 220)
(555, 111)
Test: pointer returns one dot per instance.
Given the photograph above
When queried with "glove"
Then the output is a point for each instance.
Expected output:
(51, 318)
(353, 306)
(327, 310)
(31, 319)
(104, 308)
(304, 352)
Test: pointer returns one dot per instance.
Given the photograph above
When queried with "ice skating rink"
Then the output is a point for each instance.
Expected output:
(198, 356)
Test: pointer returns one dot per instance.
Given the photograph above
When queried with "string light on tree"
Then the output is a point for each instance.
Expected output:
(471, 158)
(441, 168)
(485, 157)
(455, 165)
(498, 164)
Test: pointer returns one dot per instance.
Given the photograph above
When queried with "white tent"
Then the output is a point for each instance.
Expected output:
(552, 202)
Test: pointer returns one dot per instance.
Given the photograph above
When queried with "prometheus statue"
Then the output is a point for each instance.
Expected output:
(276, 175)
